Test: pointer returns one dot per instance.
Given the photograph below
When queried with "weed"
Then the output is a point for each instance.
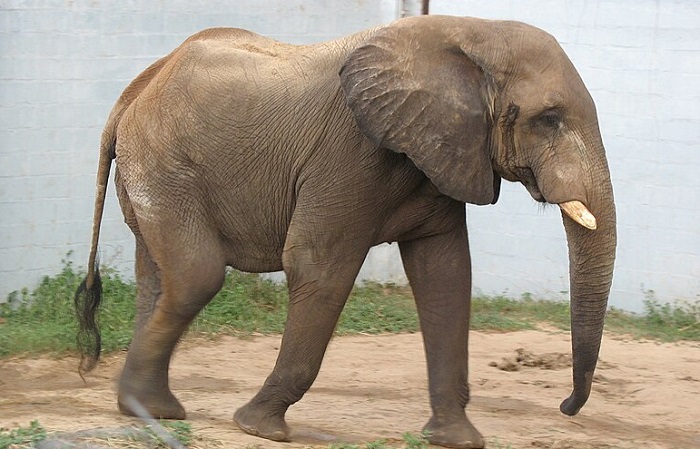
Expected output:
(246, 303)
(416, 441)
(661, 321)
(379, 444)
(411, 441)
(498, 445)
(22, 436)
(375, 308)
(43, 320)
(500, 313)
(122, 437)
(681, 318)
(344, 446)
(181, 430)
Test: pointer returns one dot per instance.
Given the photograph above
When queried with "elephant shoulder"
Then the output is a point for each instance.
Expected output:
(216, 57)
(235, 40)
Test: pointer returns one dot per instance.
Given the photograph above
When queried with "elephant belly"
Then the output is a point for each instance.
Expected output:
(252, 233)
(252, 256)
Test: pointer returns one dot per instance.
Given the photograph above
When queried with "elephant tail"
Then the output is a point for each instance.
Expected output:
(89, 294)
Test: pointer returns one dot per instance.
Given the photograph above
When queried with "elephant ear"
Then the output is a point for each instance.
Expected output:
(414, 94)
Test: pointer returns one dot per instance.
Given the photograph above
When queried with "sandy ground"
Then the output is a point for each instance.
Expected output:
(374, 387)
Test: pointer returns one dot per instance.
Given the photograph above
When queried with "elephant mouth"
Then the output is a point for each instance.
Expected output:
(535, 193)
(575, 210)
(527, 179)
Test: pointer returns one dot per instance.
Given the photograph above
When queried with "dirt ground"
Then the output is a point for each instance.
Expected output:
(374, 387)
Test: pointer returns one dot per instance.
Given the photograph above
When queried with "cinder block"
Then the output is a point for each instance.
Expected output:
(11, 20)
(63, 66)
(673, 108)
(50, 163)
(122, 21)
(84, 20)
(180, 23)
(625, 14)
(678, 14)
(667, 82)
(680, 130)
(158, 45)
(679, 61)
(148, 22)
(677, 38)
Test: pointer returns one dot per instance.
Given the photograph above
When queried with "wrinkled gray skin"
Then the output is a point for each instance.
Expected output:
(236, 150)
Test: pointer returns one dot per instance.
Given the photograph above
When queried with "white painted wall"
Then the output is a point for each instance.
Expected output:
(641, 62)
(63, 64)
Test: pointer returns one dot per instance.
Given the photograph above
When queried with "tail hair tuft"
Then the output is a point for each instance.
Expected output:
(87, 301)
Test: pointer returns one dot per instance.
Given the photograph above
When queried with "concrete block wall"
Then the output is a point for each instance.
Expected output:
(63, 64)
(641, 62)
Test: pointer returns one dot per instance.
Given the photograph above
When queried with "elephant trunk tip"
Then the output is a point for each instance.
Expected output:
(582, 390)
(571, 405)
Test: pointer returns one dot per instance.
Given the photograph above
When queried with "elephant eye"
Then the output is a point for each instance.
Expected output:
(549, 119)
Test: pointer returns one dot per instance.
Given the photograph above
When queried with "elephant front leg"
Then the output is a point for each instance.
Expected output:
(319, 280)
(439, 271)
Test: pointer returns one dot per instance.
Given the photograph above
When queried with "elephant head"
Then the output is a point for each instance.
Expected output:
(472, 101)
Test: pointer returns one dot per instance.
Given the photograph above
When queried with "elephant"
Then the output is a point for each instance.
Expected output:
(236, 150)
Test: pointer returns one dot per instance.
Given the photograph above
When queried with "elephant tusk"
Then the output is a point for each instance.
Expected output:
(579, 213)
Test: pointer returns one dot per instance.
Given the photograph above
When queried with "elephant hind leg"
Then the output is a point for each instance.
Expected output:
(173, 284)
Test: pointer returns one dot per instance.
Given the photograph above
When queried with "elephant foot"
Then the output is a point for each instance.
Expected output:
(164, 406)
(256, 420)
(460, 434)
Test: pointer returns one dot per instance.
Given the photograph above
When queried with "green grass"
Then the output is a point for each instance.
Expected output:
(132, 437)
(663, 322)
(127, 437)
(499, 313)
(22, 436)
(43, 320)
(246, 303)
(496, 444)
(374, 308)
(410, 441)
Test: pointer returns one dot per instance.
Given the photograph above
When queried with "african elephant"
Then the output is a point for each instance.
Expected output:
(237, 150)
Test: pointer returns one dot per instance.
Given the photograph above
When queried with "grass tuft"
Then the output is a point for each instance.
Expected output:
(496, 443)
(246, 303)
(22, 436)
(127, 437)
(410, 441)
(374, 308)
(416, 441)
(43, 321)
(666, 322)
(499, 313)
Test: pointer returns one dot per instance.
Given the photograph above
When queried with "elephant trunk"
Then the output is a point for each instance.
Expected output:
(591, 260)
